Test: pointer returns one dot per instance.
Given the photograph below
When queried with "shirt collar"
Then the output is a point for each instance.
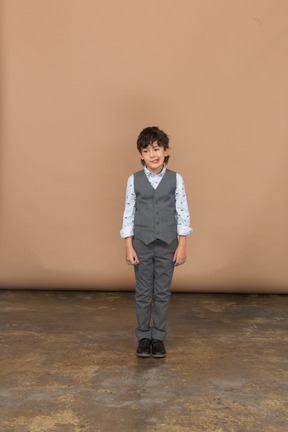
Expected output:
(149, 174)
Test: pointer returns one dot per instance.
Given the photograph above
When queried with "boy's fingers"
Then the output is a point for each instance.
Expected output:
(179, 261)
(130, 261)
(135, 260)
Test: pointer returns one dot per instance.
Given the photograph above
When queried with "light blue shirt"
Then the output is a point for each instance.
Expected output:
(182, 212)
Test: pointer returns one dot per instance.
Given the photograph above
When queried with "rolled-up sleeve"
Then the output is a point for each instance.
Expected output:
(182, 211)
(129, 212)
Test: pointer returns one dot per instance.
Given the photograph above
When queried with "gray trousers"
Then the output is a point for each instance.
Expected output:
(153, 280)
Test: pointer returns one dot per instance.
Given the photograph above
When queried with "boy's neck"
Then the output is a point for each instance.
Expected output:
(157, 172)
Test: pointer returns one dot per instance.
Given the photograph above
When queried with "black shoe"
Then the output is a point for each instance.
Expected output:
(143, 349)
(158, 349)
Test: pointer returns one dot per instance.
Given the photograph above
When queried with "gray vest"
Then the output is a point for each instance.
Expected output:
(155, 213)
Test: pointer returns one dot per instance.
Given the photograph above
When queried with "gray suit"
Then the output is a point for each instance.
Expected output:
(155, 241)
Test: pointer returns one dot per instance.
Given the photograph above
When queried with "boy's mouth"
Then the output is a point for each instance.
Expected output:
(155, 161)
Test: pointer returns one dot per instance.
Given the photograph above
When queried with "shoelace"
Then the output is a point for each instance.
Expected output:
(145, 343)
(158, 345)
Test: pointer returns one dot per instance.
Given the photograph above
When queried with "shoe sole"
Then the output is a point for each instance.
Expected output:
(143, 355)
(159, 355)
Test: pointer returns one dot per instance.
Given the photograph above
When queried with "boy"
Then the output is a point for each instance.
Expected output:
(155, 197)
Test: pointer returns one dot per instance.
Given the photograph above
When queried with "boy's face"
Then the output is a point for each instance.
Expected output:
(153, 156)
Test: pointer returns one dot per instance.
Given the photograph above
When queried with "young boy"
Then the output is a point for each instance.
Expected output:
(156, 211)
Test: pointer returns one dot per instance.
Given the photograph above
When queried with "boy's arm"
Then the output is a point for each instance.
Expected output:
(129, 212)
(182, 211)
(183, 221)
(180, 253)
(131, 256)
(127, 231)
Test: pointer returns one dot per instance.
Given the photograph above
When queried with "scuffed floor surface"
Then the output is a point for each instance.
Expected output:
(68, 363)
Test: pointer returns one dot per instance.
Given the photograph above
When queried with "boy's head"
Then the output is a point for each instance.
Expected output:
(151, 136)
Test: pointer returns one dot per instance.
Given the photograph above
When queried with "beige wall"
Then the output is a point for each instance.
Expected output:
(81, 78)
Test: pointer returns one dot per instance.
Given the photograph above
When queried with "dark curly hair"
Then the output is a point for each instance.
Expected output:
(148, 136)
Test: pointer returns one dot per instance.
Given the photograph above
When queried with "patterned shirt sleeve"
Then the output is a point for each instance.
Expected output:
(129, 212)
(182, 211)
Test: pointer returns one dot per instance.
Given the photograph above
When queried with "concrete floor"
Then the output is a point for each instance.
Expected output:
(68, 363)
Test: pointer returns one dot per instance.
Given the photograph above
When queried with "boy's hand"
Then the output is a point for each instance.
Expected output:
(180, 253)
(131, 256)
